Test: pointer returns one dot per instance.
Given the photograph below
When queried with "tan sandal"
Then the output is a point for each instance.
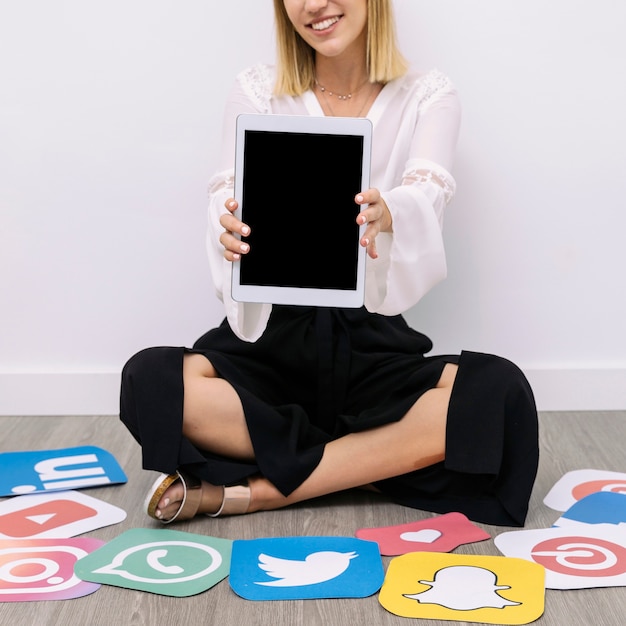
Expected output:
(235, 501)
(192, 495)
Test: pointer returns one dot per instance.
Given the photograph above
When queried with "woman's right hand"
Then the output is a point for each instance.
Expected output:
(233, 246)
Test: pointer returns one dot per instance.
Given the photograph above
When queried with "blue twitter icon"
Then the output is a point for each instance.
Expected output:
(297, 568)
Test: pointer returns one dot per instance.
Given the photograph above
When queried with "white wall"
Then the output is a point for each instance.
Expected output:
(109, 125)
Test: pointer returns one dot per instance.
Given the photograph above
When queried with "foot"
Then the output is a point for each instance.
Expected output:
(171, 500)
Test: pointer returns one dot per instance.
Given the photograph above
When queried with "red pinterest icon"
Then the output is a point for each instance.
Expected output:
(581, 556)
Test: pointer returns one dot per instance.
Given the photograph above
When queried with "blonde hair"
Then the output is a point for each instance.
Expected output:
(296, 59)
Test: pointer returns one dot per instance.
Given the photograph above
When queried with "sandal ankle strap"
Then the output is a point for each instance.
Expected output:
(236, 501)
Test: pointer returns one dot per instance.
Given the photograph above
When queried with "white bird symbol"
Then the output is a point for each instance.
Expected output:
(316, 568)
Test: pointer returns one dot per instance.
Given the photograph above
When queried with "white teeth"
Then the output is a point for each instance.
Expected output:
(325, 24)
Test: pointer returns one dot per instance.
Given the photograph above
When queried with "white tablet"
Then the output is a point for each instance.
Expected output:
(295, 181)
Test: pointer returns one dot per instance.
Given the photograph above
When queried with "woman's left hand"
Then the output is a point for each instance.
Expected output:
(376, 216)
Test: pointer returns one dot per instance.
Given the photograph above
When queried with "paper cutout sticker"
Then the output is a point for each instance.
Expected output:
(43, 569)
(56, 514)
(575, 485)
(443, 533)
(486, 589)
(574, 558)
(603, 507)
(295, 568)
(57, 470)
(162, 561)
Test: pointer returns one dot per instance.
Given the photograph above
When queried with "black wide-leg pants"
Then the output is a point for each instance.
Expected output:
(317, 374)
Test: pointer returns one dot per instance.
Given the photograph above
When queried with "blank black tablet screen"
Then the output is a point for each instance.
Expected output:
(298, 199)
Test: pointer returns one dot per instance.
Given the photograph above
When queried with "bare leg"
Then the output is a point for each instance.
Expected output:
(414, 442)
(213, 417)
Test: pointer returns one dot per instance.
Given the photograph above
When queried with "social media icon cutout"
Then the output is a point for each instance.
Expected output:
(295, 568)
(587, 556)
(161, 561)
(57, 470)
(485, 589)
(575, 485)
(443, 533)
(56, 514)
(43, 569)
(602, 507)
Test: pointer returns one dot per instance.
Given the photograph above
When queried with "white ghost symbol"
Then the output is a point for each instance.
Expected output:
(316, 568)
(463, 588)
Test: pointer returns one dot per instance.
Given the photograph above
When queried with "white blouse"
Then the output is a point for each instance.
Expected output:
(415, 123)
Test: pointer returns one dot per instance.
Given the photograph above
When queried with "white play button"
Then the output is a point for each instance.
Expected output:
(40, 519)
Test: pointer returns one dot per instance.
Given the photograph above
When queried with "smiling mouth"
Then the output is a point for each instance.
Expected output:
(324, 24)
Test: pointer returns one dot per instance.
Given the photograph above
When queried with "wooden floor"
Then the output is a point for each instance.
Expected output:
(569, 441)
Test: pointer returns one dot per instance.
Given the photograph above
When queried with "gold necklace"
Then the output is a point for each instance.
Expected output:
(339, 96)
(346, 97)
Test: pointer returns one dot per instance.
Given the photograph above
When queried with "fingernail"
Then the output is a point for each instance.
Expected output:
(359, 198)
(245, 230)
(244, 247)
(158, 514)
(232, 203)
(166, 502)
(367, 241)
(236, 256)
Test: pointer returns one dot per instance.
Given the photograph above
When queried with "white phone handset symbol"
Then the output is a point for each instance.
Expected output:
(153, 559)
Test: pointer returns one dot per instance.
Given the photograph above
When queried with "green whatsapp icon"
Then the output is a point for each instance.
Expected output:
(161, 561)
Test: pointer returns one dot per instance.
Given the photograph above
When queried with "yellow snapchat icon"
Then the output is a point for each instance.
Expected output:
(487, 589)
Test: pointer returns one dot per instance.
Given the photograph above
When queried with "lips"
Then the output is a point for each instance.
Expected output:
(325, 23)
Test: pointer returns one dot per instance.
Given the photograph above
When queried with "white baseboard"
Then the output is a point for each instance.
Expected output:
(88, 393)
(98, 393)
(596, 389)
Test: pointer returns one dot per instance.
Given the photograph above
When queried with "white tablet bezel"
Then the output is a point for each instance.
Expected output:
(289, 295)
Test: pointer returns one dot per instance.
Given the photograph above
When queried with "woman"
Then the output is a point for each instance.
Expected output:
(282, 404)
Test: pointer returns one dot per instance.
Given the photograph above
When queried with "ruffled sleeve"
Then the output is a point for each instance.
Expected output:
(412, 259)
(250, 94)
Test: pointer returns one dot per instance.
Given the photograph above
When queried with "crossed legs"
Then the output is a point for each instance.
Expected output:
(213, 420)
